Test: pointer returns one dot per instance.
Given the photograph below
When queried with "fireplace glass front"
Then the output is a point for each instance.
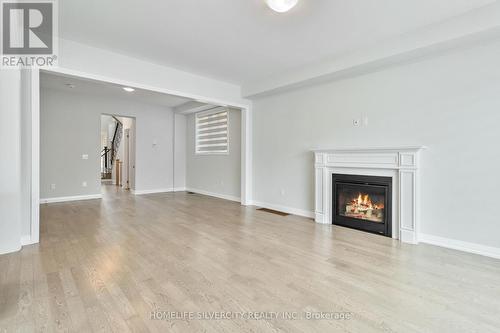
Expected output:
(362, 202)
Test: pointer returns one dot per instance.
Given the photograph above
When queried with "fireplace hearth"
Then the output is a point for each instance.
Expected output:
(362, 202)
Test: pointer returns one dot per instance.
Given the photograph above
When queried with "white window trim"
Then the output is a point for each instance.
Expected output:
(207, 113)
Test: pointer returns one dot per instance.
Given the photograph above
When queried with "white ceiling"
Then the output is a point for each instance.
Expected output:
(242, 40)
(60, 82)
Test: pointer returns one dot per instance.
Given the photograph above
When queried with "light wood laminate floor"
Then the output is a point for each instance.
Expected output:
(105, 265)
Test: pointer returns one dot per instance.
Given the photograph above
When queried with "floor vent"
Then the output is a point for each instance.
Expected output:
(271, 211)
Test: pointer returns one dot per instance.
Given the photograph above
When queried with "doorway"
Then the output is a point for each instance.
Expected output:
(33, 79)
(117, 151)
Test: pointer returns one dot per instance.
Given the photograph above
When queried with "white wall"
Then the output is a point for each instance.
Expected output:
(217, 174)
(70, 127)
(10, 164)
(449, 103)
(106, 123)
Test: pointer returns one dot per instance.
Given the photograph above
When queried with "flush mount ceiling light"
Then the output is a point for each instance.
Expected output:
(281, 6)
(128, 89)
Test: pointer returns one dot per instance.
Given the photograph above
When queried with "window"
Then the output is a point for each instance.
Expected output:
(212, 132)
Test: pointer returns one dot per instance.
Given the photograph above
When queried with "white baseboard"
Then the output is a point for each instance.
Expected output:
(488, 251)
(7, 250)
(285, 209)
(159, 190)
(212, 194)
(72, 198)
(26, 240)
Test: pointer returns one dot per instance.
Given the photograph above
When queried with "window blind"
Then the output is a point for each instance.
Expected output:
(212, 133)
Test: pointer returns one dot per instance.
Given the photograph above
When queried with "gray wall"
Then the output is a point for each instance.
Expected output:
(70, 127)
(218, 174)
(449, 103)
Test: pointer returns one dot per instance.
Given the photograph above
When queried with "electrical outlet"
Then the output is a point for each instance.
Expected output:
(52, 186)
(84, 184)
(85, 157)
(282, 192)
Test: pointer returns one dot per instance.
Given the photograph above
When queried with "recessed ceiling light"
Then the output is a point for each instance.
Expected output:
(70, 85)
(281, 6)
(128, 89)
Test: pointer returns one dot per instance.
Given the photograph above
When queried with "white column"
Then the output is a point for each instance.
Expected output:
(29, 154)
(321, 210)
(34, 92)
(10, 165)
(407, 206)
(246, 156)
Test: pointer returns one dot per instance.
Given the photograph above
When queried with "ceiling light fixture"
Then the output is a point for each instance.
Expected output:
(281, 6)
(128, 89)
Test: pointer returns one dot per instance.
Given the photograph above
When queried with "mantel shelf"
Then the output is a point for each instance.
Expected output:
(370, 149)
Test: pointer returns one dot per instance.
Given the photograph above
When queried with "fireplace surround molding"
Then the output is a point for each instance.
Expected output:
(399, 163)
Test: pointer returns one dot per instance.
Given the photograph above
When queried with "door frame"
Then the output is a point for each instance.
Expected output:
(126, 140)
(32, 89)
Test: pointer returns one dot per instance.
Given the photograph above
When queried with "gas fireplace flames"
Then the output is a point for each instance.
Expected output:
(362, 207)
(364, 201)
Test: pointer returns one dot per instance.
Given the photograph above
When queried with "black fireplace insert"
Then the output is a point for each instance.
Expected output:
(363, 203)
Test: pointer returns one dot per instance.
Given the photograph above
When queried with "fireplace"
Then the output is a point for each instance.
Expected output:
(362, 202)
(401, 164)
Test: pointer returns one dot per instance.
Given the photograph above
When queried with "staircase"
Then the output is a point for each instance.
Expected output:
(108, 155)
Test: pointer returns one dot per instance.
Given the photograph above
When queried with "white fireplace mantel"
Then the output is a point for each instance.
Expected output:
(400, 163)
